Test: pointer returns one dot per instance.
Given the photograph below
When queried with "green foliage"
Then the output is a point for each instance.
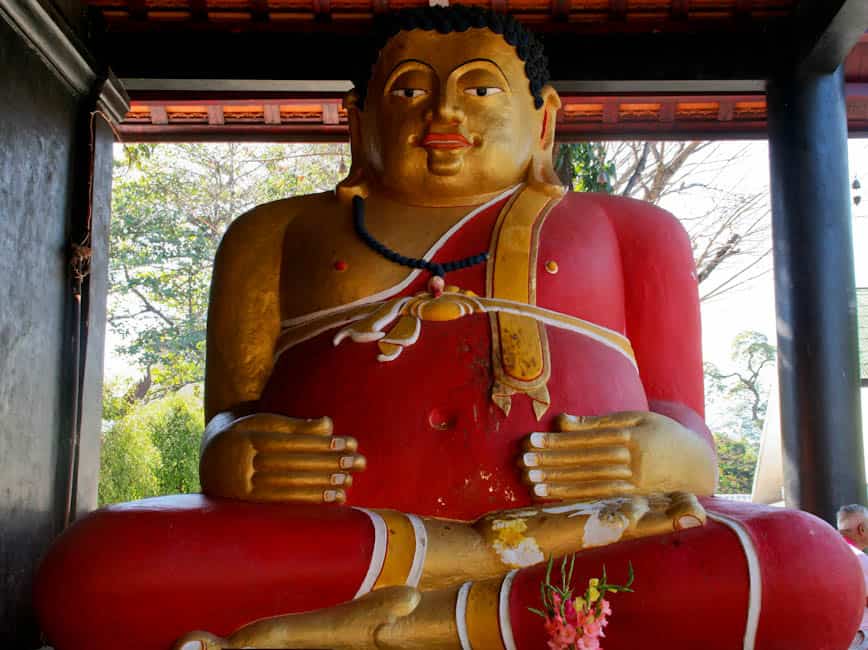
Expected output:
(171, 205)
(736, 405)
(115, 404)
(737, 460)
(127, 461)
(153, 449)
(176, 431)
(583, 167)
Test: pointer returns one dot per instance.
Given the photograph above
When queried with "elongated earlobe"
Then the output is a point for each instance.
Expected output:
(542, 174)
(355, 184)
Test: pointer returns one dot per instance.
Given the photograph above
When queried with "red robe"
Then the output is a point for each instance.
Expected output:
(143, 574)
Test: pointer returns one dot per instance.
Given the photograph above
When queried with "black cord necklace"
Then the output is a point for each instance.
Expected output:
(436, 269)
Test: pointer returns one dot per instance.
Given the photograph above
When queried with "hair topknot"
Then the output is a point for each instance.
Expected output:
(459, 18)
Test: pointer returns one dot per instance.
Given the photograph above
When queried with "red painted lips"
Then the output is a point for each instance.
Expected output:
(445, 141)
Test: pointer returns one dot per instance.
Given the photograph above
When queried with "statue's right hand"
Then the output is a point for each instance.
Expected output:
(265, 457)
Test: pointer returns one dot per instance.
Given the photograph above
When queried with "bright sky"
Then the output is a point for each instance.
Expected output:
(753, 307)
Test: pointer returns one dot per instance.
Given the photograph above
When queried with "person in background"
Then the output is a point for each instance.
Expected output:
(852, 526)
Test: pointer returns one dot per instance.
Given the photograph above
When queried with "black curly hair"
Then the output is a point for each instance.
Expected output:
(460, 18)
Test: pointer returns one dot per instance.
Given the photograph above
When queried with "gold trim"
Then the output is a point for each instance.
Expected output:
(483, 615)
(521, 359)
(400, 549)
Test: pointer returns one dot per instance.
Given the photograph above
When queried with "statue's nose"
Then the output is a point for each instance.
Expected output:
(447, 109)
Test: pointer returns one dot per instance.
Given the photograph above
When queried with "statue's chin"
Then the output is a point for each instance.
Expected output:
(440, 165)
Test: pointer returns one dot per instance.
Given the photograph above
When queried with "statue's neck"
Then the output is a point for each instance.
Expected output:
(418, 201)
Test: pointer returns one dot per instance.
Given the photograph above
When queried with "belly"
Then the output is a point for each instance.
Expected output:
(435, 442)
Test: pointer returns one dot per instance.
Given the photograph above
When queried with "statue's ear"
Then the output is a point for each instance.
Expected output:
(551, 106)
(542, 172)
(355, 183)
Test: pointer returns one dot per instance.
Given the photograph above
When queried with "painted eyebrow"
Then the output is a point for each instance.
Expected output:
(482, 60)
(391, 75)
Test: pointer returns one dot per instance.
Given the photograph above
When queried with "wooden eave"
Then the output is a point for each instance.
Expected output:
(312, 117)
(625, 68)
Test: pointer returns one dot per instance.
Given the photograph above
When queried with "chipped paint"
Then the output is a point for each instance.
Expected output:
(514, 548)
(607, 520)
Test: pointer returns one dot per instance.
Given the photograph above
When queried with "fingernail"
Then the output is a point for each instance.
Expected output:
(329, 495)
(538, 440)
(535, 475)
(338, 444)
(338, 479)
(541, 490)
(531, 460)
(347, 462)
(193, 645)
(688, 521)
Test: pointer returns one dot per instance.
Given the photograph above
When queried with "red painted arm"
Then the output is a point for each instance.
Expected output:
(662, 308)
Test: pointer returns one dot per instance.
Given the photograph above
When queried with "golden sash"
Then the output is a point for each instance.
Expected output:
(520, 351)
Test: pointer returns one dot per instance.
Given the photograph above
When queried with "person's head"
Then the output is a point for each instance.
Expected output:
(852, 521)
(456, 107)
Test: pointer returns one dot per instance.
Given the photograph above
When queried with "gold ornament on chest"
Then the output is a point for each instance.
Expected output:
(521, 362)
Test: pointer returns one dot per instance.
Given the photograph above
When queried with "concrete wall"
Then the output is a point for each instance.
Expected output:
(38, 116)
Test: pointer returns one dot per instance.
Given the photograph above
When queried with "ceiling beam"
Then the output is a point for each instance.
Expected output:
(696, 60)
(825, 32)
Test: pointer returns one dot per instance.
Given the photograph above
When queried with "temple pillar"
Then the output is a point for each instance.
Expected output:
(818, 362)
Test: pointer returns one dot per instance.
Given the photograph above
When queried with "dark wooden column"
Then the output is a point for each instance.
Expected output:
(815, 295)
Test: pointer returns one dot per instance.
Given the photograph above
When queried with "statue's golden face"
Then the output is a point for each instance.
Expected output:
(449, 117)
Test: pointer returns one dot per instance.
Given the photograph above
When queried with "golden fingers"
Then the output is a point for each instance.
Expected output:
(624, 419)
(268, 457)
(574, 474)
(572, 440)
(593, 457)
(303, 467)
(580, 455)
(588, 458)
(277, 461)
(268, 442)
(583, 490)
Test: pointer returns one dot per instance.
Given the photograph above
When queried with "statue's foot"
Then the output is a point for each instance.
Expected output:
(670, 512)
(351, 625)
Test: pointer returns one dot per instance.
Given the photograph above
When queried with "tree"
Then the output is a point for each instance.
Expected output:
(736, 404)
(171, 206)
(127, 461)
(730, 233)
(584, 167)
(152, 449)
(736, 461)
(745, 390)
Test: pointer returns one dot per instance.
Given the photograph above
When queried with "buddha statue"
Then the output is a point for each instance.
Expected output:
(423, 385)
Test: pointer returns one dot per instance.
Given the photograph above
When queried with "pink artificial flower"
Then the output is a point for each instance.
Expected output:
(561, 635)
(570, 612)
(566, 635)
(555, 644)
(606, 609)
(551, 626)
(588, 643)
(593, 629)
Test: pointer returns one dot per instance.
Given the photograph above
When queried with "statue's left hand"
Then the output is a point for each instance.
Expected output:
(632, 452)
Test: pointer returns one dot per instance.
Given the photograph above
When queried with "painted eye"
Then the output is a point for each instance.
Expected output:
(409, 93)
(483, 91)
